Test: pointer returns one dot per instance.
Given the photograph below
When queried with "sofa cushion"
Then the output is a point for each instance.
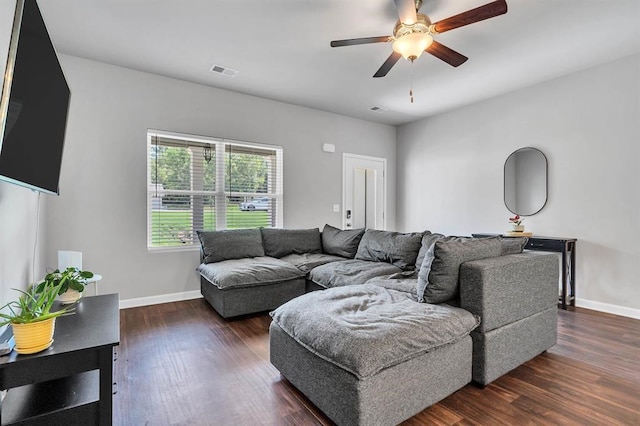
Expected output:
(396, 248)
(424, 246)
(230, 244)
(513, 245)
(341, 243)
(402, 281)
(365, 329)
(443, 264)
(281, 242)
(429, 242)
(249, 272)
(307, 261)
(350, 272)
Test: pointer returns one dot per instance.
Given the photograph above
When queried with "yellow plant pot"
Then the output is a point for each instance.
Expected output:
(33, 337)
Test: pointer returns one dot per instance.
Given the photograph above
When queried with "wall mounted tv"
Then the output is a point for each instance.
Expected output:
(34, 105)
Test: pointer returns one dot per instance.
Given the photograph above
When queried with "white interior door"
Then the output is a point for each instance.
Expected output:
(364, 184)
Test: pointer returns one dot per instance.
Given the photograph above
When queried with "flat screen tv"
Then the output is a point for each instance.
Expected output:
(34, 105)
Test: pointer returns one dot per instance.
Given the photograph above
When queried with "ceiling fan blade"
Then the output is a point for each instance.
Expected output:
(355, 41)
(406, 11)
(388, 64)
(446, 54)
(478, 14)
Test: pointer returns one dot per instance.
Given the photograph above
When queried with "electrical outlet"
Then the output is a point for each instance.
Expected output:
(336, 208)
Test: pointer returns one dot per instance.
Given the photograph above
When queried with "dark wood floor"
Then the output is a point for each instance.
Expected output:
(181, 364)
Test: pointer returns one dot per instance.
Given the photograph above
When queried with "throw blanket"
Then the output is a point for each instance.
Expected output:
(364, 329)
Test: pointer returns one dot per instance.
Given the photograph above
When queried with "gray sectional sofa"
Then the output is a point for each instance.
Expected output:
(246, 271)
(405, 319)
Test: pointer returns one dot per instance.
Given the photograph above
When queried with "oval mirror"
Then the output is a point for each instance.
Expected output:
(525, 181)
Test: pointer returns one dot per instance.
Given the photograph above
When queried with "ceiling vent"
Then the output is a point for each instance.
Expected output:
(378, 109)
(227, 72)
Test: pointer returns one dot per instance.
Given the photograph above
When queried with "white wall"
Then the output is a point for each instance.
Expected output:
(18, 241)
(101, 209)
(587, 124)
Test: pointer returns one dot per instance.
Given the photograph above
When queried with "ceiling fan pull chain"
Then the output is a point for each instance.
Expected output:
(411, 82)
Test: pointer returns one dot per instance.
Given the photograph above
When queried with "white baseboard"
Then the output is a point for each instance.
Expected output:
(608, 308)
(162, 298)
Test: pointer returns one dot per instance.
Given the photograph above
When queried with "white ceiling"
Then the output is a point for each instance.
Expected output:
(281, 47)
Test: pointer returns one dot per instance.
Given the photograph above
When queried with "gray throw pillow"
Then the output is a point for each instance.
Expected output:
(442, 283)
(230, 244)
(281, 242)
(396, 248)
(341, 243)
(423, 248)
(428, 242)
(513, 245)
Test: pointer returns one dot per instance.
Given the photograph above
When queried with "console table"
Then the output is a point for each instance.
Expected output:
(70, 383)
(565, 246)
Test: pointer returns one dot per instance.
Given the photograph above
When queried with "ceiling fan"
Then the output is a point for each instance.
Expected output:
(413, 33)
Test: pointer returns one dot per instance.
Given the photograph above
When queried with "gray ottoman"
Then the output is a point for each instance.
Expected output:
(366, 355)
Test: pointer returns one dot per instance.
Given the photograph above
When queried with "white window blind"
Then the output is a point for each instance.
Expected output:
(197, 183)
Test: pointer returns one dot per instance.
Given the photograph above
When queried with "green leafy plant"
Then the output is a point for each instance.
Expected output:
(32, 306)
(71, 278)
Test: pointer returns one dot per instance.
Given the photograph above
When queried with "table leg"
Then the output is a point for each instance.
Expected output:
(564, 277)
(572, 278)
(105, 410)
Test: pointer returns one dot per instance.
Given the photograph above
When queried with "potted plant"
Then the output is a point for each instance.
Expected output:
(71, 282)
(31, 318)
(516, 224)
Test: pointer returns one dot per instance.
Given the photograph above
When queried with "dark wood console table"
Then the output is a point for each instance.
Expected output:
(70, 383)
(565, 246)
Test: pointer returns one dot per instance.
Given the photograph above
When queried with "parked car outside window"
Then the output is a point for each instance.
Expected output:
(256, 204)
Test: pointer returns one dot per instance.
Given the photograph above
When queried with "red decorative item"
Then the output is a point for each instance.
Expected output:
(516, 220)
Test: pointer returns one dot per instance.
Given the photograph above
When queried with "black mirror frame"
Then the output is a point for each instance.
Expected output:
(546, 180)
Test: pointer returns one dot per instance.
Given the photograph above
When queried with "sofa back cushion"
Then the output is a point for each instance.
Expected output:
(513, 245)
(281, 242)
(426, 243)
(438, 278)
(396, 248)
(230, 244)
(341, 243)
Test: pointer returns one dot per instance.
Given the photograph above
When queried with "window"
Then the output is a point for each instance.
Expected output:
(197, 183)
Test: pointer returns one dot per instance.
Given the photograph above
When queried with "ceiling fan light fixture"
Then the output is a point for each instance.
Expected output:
(411, 45)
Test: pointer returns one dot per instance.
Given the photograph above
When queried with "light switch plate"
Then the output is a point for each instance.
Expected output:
(328, 147)
(336, 208)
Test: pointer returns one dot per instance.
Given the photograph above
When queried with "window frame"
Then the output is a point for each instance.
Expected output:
(219, 193)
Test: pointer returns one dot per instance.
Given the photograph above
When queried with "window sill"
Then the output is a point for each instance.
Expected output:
(173, 249)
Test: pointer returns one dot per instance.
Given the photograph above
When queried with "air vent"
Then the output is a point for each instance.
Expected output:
(377, 109)
(227, 72)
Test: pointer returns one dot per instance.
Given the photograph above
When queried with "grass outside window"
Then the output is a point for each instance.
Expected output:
(174, 227)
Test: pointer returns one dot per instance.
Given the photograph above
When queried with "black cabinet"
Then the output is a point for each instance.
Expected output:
(71, 383)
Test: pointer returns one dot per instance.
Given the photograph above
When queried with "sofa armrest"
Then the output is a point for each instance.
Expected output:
(505, 289)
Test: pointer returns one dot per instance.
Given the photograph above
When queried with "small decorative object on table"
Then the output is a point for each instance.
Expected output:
(71, 281)
(31, 318)
(516, 224)
(517, 228)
